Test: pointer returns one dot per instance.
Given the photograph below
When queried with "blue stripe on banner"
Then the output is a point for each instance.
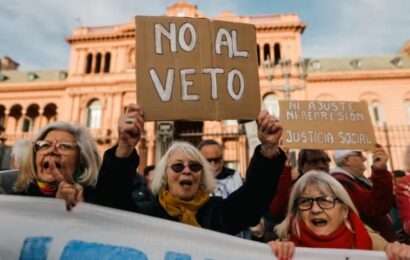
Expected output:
(80, 250)
(35, 248)
(176, 256)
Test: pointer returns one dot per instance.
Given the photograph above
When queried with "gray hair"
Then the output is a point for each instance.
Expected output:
(325, 183)
(89, 162)
(160, 178)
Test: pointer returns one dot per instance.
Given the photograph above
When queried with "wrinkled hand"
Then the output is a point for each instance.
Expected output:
(71, 193)
(283, 250)
(130, 129)
(269, 133)
(397, 250)
(380, 158)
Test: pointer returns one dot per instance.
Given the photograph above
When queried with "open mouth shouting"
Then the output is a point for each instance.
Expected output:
(319, 222)
(51, 169)
(186, 184)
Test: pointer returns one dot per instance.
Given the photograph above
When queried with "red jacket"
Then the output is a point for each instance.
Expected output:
(373, 201)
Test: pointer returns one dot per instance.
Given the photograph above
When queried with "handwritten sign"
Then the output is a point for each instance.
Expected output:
(196, 69)
(326, 125)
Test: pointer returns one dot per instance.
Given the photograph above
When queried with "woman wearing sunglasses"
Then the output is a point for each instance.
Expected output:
(62, 162)
(322, 215)
(183, 180)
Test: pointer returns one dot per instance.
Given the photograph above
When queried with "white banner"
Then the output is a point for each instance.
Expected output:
(38, 228)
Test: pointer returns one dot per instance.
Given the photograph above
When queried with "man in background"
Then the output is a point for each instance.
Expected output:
(228, 180)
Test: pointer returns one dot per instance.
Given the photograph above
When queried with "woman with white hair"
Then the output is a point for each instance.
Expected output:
(322, 215)
(183, 179)
(62, 162)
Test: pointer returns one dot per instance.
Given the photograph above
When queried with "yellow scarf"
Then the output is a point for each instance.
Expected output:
(184, 211)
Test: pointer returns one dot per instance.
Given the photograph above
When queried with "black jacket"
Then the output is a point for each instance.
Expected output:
(242, 209)
(119, 186)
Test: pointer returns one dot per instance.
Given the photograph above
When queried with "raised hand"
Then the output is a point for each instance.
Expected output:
(380, 158)
(71, 193)
(269, 133)
(130, 129)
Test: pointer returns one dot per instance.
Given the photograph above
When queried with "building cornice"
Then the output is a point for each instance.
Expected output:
(359, 75)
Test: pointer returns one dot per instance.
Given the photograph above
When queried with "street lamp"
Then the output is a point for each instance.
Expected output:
(287, 70)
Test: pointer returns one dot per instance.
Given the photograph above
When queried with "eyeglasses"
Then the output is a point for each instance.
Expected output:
(324, 202)
(214, 160)
(61, 147)
(192, 166)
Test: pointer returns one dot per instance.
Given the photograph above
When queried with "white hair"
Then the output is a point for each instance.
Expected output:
(160, 178)
(89, 162)
(324, 183)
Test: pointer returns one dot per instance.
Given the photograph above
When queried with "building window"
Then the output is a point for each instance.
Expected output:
(97, 63)
(376, 113)
(88, 63)
(27, 124)
(276, 51)
(271, 104)
(94, 114)
(266, 52)
(107, 61)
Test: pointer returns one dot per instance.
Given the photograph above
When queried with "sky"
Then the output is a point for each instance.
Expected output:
(33, 32)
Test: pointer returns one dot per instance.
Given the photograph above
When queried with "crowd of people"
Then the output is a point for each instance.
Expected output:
(287, 206)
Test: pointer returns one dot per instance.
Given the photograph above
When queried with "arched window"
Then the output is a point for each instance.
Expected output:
(94, 114)
(50, 112)
(88, 63)
(271, 104)
(107, 62)
(276, 51)
(16, 113)
(376, 112)
(258, 54)
(266, 52)
(31, 114)
(97, 63)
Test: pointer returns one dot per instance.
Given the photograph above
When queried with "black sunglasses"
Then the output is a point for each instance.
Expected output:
(192, 166)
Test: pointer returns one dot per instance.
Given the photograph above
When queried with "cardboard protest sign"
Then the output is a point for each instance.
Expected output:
(196, 69)
(326, 125)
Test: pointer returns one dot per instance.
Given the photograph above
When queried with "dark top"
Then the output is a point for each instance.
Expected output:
(241, 209)
(34, 190)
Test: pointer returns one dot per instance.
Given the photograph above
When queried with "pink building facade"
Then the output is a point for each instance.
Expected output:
(100, 82)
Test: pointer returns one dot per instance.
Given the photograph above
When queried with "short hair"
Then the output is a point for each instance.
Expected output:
(306, 154)
(206, 142)
(89, 162)
(20, 151)
(160, 179)
(323, 181)
(147, 169)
